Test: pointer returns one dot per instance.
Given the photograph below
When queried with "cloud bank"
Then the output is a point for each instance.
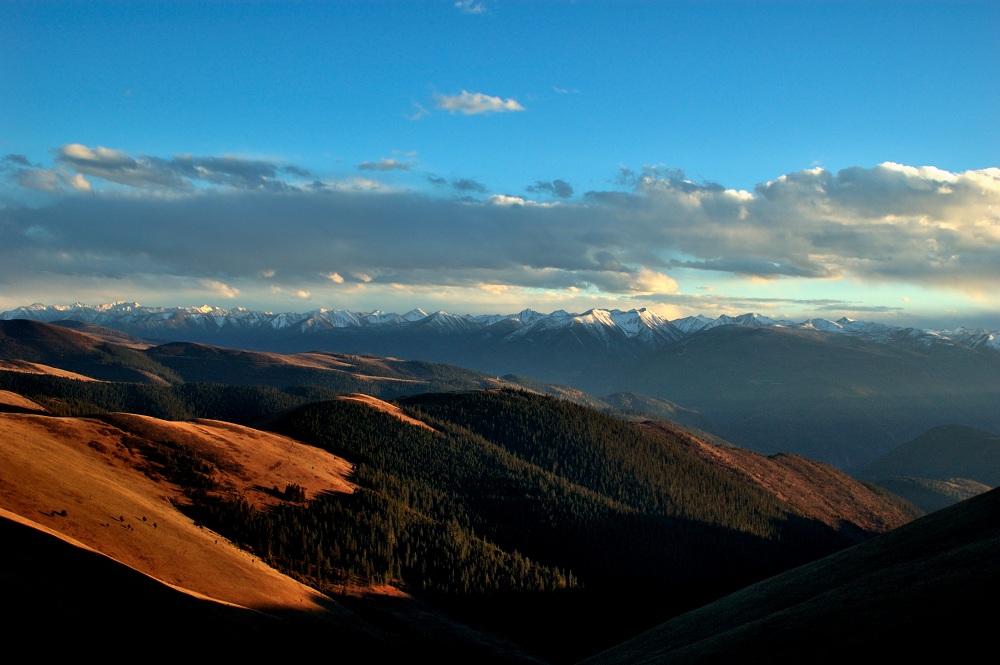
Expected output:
(235, 226)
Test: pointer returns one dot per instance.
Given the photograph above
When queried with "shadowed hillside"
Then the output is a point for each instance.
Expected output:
(78, 352)
(924, 588)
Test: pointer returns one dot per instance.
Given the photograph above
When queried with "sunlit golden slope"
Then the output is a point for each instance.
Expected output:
(79, 479)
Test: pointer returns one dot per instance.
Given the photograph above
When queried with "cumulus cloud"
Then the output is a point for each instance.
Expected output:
(472, 103)
(505, 200)
(889, 223)
(78, 182)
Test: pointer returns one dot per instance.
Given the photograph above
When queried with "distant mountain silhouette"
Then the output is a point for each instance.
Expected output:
(941, 466)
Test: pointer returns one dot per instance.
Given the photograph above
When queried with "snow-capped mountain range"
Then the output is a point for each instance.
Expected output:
(637, 325)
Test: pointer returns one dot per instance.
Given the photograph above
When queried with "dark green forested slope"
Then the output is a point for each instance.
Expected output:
(584, 515)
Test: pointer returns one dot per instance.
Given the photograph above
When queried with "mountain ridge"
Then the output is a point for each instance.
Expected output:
(640, 324)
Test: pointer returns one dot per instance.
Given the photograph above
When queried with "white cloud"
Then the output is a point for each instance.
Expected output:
(471, 6)
(471, 103)
(219, 288)
(82, 153)
(650, 281)
(504, 200)
(335, 277)
(79, 183)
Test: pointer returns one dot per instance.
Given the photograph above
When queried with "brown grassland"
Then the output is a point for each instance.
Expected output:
(87, 485)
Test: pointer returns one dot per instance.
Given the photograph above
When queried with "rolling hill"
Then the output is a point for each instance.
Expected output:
(99, 548)
(79, 353)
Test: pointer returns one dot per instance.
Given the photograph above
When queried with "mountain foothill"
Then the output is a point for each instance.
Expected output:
(326, 497)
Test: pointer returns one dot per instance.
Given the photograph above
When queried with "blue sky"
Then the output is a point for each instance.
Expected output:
(797, 159)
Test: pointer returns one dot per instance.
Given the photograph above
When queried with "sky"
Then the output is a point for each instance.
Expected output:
(796, 159)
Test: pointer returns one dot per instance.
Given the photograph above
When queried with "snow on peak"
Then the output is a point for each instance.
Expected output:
(414, 315)
(529, 316)
(749, 319)
(823, 325)
(595, 317)
(692, 324)
(640, 325)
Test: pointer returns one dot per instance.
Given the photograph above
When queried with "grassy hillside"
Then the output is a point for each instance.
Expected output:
(101, 551)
